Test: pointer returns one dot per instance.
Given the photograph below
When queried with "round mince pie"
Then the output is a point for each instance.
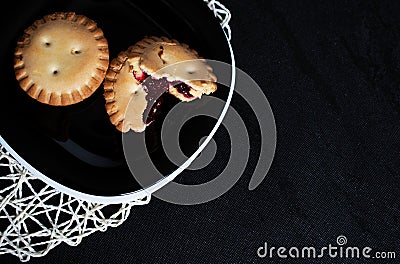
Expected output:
(61, 59)
(137, 78)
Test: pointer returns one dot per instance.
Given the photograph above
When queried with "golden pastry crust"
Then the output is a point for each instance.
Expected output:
(61, 59)
(125, 97)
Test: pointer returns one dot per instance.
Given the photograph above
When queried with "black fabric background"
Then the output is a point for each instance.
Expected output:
(331, 72)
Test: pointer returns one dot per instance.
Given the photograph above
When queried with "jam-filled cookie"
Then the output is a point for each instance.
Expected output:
(61, 59)
(138, 77)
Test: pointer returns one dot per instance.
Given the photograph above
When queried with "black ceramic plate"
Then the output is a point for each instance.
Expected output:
(76, 146)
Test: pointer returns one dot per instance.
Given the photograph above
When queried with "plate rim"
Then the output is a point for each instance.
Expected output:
(144, 192)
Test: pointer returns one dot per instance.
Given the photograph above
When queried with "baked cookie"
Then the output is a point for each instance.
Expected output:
(61, 59)
(138, 77)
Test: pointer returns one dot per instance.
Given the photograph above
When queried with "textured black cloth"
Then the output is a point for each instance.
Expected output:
(331, 72)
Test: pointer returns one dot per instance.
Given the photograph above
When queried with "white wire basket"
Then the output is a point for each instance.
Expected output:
(38, 216)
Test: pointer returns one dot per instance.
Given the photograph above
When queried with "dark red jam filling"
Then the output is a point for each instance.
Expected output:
(140, 76)
(154, 95)
(154, 110)
(154, 88)
(183, 89)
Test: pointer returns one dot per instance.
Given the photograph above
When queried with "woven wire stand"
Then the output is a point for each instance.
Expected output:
(38, 217)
